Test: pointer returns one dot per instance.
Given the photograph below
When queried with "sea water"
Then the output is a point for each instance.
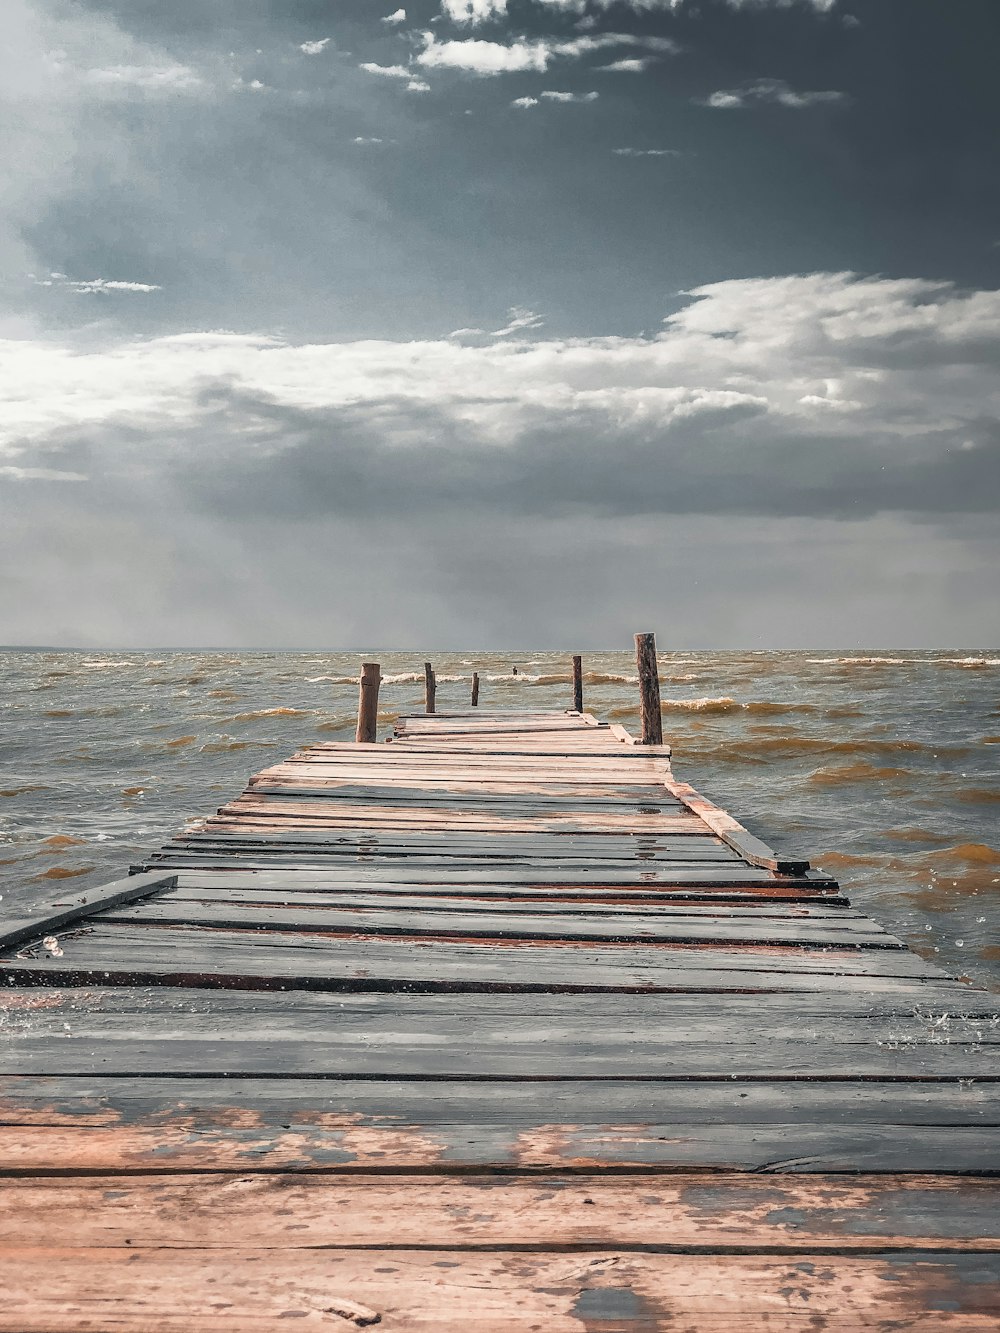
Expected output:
(883, 768)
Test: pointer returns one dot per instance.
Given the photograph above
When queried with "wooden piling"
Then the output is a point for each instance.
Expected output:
(649, 689)
(430, 688)
(371, 678)
(475, 689)
(578, 684)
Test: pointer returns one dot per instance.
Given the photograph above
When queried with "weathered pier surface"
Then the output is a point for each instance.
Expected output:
(497, 1026)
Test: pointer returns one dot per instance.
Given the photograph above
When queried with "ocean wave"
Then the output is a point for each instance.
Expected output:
(726, 704)
(227, 743)
(845, 774)
(967, 795)
(864, 661)
(344, 723)
(606, 678)
(722, 704)
(968, 853)
(104, 666)
(968, 663)
(259, 714)
(335, 680)
(62, 872)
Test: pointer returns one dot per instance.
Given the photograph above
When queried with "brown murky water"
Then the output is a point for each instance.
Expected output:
(884, 769)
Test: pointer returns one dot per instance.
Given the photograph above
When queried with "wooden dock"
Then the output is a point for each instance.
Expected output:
(497, 1026)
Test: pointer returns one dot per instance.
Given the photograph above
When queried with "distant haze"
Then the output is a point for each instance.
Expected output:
(485, 323)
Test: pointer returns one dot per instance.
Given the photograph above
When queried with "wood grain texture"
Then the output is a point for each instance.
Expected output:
(243, 1289)
(668, 1214)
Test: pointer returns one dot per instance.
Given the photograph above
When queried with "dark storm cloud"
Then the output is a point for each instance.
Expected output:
(236, 165)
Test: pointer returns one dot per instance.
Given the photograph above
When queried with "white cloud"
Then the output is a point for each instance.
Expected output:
(314, 48)
(525, 102)
(367, 139)
(474, 11)
(482, 57)
(896, 360)
(418, 86)
(39, 474)
(646, 152)
(397, 17)
(171, 78)
(478, 56)
(775, 91)
(95, 284)
(519, 320)
(569, 97)
(386, 71)
(628, 66)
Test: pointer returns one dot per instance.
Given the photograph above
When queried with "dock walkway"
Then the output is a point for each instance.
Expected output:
(496, 1026)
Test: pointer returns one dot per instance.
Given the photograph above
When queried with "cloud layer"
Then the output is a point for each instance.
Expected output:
(825, 394)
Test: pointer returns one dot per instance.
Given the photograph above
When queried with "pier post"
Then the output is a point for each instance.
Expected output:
(475, 689)
(430, 688)
(649, 689)
(578, 684)
(371, 677)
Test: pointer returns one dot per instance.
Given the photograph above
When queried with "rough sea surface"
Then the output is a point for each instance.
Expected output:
(882, 767)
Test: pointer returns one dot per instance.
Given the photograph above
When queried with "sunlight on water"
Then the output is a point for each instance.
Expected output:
(883, 768)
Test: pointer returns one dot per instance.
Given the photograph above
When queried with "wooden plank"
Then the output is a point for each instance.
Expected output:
(507, 925)
(666, 1214)
(621, 905)
(51, 914)
(182, 956)
(403, 1047)
(179, 1145)
(430, 869)
(399, 795)
(765, 893)
(682, 1017)
(502, 847)
(147, 1290)
(96, 1108)
(751, 849)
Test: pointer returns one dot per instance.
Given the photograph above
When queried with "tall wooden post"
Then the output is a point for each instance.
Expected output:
(649, 689)
(475, 689)
(430, 688)
(578, 684)
(371, 678)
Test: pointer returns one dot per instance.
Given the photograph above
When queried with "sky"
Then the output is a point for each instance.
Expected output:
(500, 323)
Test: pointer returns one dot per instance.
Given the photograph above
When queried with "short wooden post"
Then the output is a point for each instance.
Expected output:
(430, 688)
(371, 678)
(649, 689)
(475, 689)
(578, 684)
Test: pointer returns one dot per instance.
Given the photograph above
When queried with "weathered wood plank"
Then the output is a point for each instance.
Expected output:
(213, 1105)
(554, 903)
(668, 1214)
(66, 906)
(134, 955)
(123, 1289)
(509, 925)
(764, 893)
(408, 1049)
